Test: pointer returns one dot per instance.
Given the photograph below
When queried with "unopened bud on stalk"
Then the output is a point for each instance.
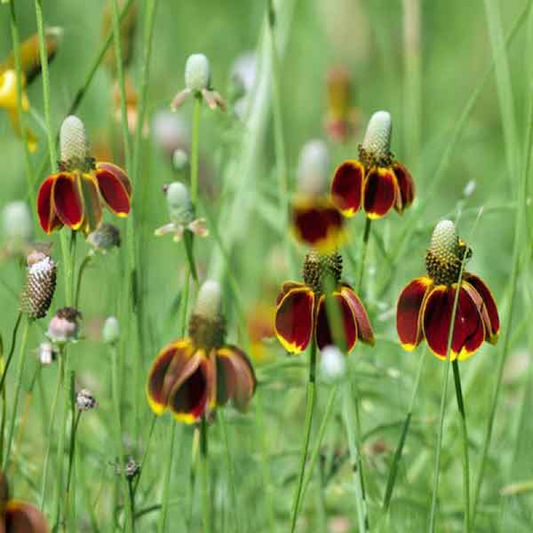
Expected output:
(179, 204)
(40, 285)
(332, 364)
(313, 168)
(197, 72)
(111, 330)
(180, 159)
(377, 141)
(64, 326)
(17, 222)
(103, 239)
(85, 400)
(75, 151)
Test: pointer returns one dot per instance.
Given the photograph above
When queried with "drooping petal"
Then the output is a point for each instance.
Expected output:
(294, 319)
(408, 315)
(469, 331)
(235, 377)
(364, 329)
(287, 287)
(489, 311)
(115, 188)
(67, 200)
(47, 217)
(188, 400)
(317, 223)
(165, 372)
(406, 187)
(91, 202)
(347, 187)
(326, 311)
(21, 517)
(379, 192)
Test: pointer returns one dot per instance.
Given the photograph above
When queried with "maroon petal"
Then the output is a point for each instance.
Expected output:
(115, 188)
(364, 329)
(468, 333)
(286, 288)
(294, 319)
(47, 216)
(408, 316)
(91, 202)
(488, 310)
(67, 201)
(21, 517)
(379, 192)
(347, 186)
(165, 372)
(324, 335)
(406, 187)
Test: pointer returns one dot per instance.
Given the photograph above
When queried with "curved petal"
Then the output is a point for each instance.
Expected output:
(294, 319)
(316, 222)
(488, 310)
(408, 315)
(47, 217)
(406, 187)
(91, 202)
(67, 200)
(189, 399)
(115, 188)
(165, 372)
(235, 377)
(469, 331)
(21, 517)
(324, 335)
(364, 329)
(379, 192)
(347, 186)
(287, 287)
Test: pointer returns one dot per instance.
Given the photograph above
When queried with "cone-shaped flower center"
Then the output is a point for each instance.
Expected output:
(375, 149)
(180, 208)
(320, 271)
(197, 72)
(75, 152)
(445, 254)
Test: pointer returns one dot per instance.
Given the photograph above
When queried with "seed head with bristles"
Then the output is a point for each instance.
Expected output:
(75, 151)
(40, 285)
(375, 149)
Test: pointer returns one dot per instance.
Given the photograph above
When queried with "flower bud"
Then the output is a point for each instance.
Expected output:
(209, 300)
(46, 353)
(64, 326)
(332, 364)
(103, 239)
(197, 72)
(17, 222)
(74, 143)
(313, 168)
(179, 204)
(111, 330)
(40, 285)
(376, 143)
(85, 400)
(180, 159)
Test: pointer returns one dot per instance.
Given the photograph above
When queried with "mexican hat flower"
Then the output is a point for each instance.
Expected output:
(304, 309)
(376, 182)
(424, 309)
(75, 195)
(17, 516)
(315, 221)
(30, 66)
(191, 377)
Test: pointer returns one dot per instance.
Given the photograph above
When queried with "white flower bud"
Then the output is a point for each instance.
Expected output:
(209, 300)
(332, 364)
(17, 222)
(180, 208)
(378, 135)
(73, 140)
(313, 168)
(111, 330)
(197, 72)
(180, 159)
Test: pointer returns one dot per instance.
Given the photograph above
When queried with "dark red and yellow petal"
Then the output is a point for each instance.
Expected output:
(347, 187)
(294, 319)
(489, 311)
(364, 329)
(21, 517)
(189, 399)
(235, 377)
(47, 217)
(165, 372)
(115, 188)
(337, 305)
(406, 187)
(67, 201)
(287, 287)
(317, 223)
(408, 312)
(380, 191)
(91, 202)
(469, 331)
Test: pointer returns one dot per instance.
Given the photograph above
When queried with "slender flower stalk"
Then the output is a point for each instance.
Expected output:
(204, 474)
(172, 430)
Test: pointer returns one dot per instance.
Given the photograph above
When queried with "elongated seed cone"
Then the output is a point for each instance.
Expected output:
(40, 286)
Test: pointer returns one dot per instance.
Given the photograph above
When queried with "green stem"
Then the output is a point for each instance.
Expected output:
(403, 437)
(188, 241)
(155, 418)
(168, 473)
(11, 352)
(231, 476)
(204, 467)
(366, 236)
(195, 140)
(72, 449)
(81, 271)
(464, 431)
(311, 394)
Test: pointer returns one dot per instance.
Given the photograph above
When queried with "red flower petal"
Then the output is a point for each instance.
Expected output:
(294, 319)
(468, 333)
(91, 201)
(165, 372)
(67, 201)
(115, 188)
(21, 517)
(489, 311)
(316, 222)
(235, 377)
(379, 192)
(286, 288)
(408, 316)
(406, 187)
(324, 335)
(347, 186)
(364, 329)
(47, 216)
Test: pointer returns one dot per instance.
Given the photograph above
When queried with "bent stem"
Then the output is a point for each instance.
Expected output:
(311, 393)
(204, 467)
(464, 431)
(11, 352)
(403, 437)
(81, 271)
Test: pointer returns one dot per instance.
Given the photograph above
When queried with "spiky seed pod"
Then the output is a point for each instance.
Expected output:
(38, 292)
(85, 400)
(106, 237)
(375, 149)
(319, 267)
(75, 150)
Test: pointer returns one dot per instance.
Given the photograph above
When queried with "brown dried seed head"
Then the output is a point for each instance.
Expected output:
(40, 285)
